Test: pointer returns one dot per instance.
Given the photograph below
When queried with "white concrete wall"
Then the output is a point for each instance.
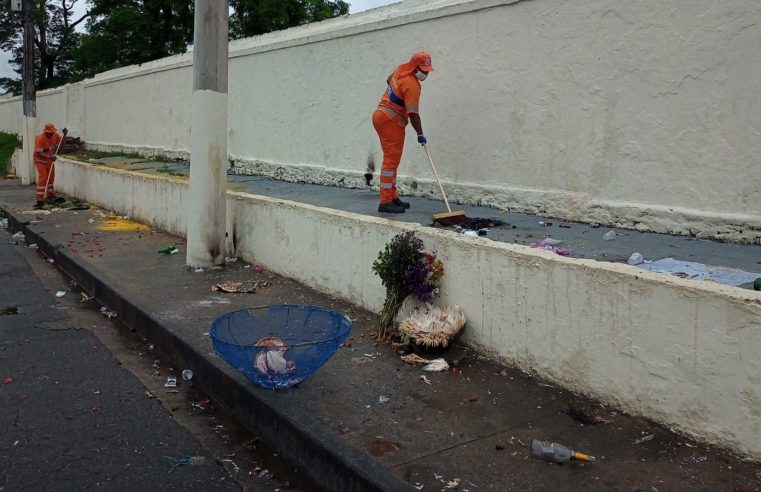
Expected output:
(684, 353)
(639, 114)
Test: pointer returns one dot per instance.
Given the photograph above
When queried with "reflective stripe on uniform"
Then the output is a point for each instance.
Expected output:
(387, 186)
(411, 109)
(388, 172)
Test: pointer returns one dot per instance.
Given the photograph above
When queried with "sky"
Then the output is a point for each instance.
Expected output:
(355, 6)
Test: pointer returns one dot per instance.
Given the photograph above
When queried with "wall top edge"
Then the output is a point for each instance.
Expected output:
(396, 14)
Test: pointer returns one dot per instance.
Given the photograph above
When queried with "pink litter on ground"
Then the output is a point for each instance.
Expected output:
(547, 247)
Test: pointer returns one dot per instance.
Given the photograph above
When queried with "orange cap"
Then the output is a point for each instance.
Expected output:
(50, 128)
(423, 60)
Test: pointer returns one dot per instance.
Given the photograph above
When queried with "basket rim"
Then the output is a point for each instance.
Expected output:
(214, 327)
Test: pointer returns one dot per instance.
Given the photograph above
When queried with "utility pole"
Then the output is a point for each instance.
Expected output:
(27, 173)
(207, 205)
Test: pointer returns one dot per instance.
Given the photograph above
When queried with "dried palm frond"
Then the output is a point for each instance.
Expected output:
(434, 327)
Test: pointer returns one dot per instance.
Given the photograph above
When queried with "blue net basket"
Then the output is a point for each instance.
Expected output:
(279, 346)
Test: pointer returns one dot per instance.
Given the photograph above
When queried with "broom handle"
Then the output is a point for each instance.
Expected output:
(52, 166)
(436, 175)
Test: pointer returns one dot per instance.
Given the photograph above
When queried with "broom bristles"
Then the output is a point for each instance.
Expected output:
(450, 218)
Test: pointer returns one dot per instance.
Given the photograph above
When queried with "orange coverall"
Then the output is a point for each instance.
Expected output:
(44, 150)
(390, 119)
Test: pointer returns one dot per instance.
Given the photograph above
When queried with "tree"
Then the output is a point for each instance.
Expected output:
(55, 41)
(253, 17)
(130, 32)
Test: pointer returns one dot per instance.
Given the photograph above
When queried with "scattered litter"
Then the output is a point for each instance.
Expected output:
(476, 224)
(609, 236)
(757, 284)
(231, 259)
(551, 242)
(91, 221)
(547, 247)
(425, 380)
(483, 232)
(699, 271)
(51, 261)
(33, 246)
(545, 224)
(4, 223)
(499, 446)
(452, 484)
(108, 313)
(171, 382)
(414, 359)
(594, 225)
(86, 298)
(7, 380)
(635, 259)
(60, 293)
(119, 224)
(434, 327)
(169, 250)
(646, 438)
(198, 270)
(258, 268)
(581, 416)
(243, 287)
(556, 453)
(175, 463)
(19, 235)
(383, 399)
(473, 398)
(149, 394)
(436, 365)
(471, 233)
(187, 375)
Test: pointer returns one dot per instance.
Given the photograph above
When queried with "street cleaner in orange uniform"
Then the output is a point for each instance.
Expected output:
(45, 146)
(397, 107)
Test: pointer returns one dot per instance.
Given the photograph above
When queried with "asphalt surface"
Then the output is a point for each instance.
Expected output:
(72, 417)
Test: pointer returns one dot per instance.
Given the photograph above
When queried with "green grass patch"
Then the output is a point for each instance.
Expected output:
(8, 143)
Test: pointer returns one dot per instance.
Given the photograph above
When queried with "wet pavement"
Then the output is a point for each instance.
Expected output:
(469, 429)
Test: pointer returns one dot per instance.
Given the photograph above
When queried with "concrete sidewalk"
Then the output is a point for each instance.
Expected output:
(471, 428)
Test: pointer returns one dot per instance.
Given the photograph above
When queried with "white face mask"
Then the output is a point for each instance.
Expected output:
(421, 75)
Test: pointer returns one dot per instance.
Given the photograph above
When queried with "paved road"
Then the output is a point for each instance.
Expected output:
(71, 417)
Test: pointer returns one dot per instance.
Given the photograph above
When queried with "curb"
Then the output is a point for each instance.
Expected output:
(327, 462)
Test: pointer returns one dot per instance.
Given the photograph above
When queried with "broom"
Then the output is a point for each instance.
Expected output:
(447, 218)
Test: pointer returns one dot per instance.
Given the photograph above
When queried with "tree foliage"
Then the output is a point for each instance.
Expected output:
(253, 17)
(129, 32)
(55, 41)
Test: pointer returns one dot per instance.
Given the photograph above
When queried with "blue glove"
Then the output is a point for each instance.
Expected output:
(421, 139)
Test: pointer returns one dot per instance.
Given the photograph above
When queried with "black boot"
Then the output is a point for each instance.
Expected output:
(39, 205)
(401, 203)
(390, 208)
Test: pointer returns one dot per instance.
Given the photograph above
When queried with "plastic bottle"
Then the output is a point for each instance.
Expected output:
(635, 259)
(556, 453)
(757, 284)
(609, 236)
